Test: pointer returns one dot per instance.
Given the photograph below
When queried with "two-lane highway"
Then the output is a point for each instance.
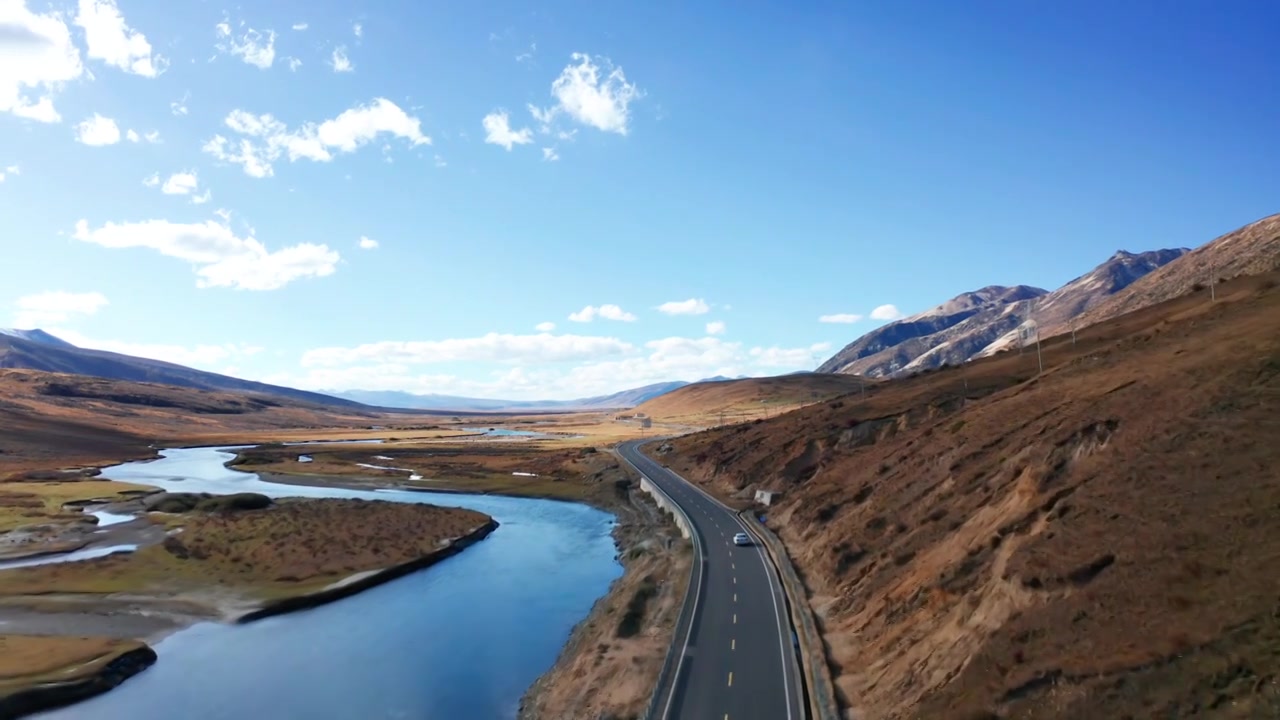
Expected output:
(736, 662)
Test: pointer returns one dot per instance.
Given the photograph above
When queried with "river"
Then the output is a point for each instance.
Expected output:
(461, 640)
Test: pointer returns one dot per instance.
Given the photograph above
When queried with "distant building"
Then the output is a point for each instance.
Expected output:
(766, 497)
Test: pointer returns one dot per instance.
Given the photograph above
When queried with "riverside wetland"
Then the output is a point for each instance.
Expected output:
(483, 625)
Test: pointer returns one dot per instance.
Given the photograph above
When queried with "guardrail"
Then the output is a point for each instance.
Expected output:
(821, 694)
(665, 686)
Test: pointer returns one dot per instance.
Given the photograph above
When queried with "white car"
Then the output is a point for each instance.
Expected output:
(741, 539)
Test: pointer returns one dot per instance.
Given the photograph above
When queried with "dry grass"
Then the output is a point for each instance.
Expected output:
(27, 660)
(704, 404)
(294, 547)
(565, 473)
(1098, 541)
(29, 503)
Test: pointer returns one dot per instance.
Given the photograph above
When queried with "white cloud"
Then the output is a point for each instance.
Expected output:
(886, 312)
(294, 64)
(528, 55)
(300, 26)
(692, 306)
(586, 97)
(265, 139)
(840, 318)
(368, 243)
(110, 40)
(252, 47)
(606, 365)
(10, 170)
(493, 347)
(37, 58)
(203, 356)
(497, 128)
(716, 328)
(179, 107)
(43, 309)
(133, 136)
(182, 183)
(440, 162)
(152, 180)
(339, 60)
(357, 30)
(545, 327)
(549, 154)
(152, 137)
(608, 312)
(202, 198)
(776, 357)
(220, 257)
(98, 131)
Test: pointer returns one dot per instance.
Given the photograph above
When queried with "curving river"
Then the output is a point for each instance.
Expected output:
(461, 640)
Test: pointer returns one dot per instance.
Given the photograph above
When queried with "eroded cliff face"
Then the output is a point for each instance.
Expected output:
(1098, 541)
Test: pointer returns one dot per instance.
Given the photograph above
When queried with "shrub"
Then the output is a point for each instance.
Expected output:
(233, 503)
(629, 625)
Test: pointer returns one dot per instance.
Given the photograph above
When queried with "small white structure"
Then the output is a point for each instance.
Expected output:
(766, 497)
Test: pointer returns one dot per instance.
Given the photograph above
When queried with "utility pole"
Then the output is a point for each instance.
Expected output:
(1039, 357)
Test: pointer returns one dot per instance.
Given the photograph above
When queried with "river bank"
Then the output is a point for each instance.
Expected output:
(611, 660)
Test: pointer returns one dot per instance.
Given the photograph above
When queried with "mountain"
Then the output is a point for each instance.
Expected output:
(1063, 308)
(722, 399)
(399, 399)
(37, 336)
(1094, 541)
(1253, 249)
(38, 350)
(983, 322)
(959, 327)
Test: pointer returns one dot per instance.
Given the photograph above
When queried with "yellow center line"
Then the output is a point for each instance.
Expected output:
(733, 644)
(730, 678)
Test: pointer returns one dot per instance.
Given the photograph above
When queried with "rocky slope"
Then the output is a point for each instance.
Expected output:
(986, 321)
(1062, 309)
(1253, 249)
(951, 332)
(1097, 541)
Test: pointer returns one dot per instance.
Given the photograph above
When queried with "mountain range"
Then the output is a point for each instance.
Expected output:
(985, 321)
(38, 350)
(623, 399)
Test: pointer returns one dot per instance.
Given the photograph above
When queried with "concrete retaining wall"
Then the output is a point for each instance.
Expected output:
(668, 505)
(817, 675)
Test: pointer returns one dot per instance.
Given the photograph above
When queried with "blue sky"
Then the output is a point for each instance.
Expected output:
(192, 181)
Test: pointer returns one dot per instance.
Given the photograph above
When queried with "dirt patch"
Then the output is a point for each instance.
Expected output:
(42, 672)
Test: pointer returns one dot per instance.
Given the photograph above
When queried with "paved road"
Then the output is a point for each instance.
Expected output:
(738, 663)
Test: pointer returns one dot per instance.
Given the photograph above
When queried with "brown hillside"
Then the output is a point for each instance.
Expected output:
(1253, 249)
(50, 420)
(1097, 542)
(747, 398)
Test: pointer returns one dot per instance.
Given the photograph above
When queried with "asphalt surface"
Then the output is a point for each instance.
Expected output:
(738, 663)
